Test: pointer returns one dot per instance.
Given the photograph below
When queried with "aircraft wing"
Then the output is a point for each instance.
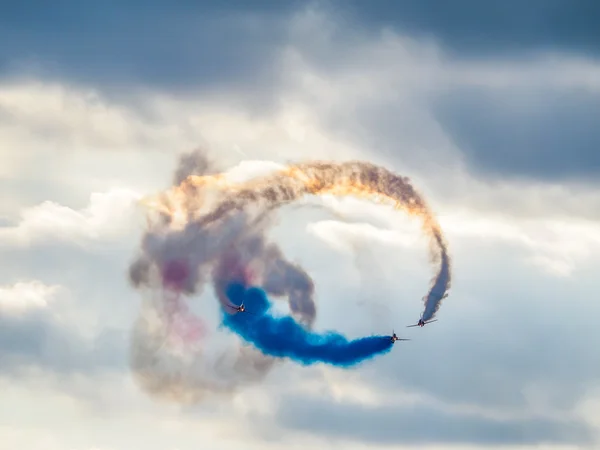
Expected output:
(429, 321)
(410, 326)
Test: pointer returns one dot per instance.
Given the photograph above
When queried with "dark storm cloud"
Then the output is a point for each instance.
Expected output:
(421, 425)
(477, 28)
(548, 135)
(183, 44)
(160, 43)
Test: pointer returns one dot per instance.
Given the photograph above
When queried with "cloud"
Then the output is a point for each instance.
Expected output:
(210, 45)
(535, 133)
(72, 118)
(560, 246)
(25, 296)
(419, 424)
(42, 342)
(556, 245)
(385, 93)
(36, 333)
(472, 29)
(108, 216)
(509, 358)
(187, 45)
(342, 236)
(515, 325)
(486, 287)
(510, 349)
(412, 104)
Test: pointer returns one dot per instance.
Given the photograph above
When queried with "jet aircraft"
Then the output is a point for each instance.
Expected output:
(395, 338)
(421, 323)
(240, 308)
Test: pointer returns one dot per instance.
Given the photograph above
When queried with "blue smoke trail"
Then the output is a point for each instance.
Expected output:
(284, 337)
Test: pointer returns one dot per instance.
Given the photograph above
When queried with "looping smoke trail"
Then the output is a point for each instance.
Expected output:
(354, 178)
(217, 227)
(284, 337)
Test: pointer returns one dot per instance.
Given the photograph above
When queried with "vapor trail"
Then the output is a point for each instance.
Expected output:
(284, 337)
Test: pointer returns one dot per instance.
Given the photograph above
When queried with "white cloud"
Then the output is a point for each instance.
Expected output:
(557, 245)
(247, 170)
(356, 389)
(589, 409)
(108, 216)
(25, 296)
(342, 236)
(68, 118)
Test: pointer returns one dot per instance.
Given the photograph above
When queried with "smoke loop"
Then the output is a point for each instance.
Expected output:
(212, 229)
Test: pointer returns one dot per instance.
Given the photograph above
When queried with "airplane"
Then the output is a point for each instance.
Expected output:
(395, 338)
(240, 308)
(421, 323)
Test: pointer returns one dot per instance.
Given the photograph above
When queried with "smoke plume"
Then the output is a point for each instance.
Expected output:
(208, 230)
(284, 337)
(171, 356)
(354, 178)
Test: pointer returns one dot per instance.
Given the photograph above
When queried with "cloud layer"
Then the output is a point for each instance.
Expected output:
(496, 126)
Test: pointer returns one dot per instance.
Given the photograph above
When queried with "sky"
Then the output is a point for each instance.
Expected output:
(489, 109)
